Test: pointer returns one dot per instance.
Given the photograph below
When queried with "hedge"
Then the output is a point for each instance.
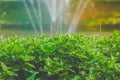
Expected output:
(63, 57)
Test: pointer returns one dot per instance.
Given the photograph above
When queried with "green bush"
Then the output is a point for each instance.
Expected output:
(64, 57)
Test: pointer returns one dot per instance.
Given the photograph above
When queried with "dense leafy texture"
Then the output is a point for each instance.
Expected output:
(64, 57)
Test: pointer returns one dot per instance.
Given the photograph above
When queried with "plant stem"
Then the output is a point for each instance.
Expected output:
(100, 27)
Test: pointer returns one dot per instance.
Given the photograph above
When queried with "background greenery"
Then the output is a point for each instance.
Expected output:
(98, 12)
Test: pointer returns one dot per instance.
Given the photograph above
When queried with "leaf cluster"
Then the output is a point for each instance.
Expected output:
(64, 57)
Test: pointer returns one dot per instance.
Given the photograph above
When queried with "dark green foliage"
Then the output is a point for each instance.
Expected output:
(64, 57)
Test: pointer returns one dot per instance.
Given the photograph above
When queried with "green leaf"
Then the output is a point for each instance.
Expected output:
(47, 47)
(5, 69)
(76, 78)
(32, 77)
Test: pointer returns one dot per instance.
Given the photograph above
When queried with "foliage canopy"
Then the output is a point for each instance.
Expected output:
(64, 57)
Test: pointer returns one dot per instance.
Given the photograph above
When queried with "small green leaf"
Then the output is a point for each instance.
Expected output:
(47, 47)
(5, 69)
(32, 77)
(30, 65)
(76, 78)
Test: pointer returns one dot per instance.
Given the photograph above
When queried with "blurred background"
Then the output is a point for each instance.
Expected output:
(99, 17)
